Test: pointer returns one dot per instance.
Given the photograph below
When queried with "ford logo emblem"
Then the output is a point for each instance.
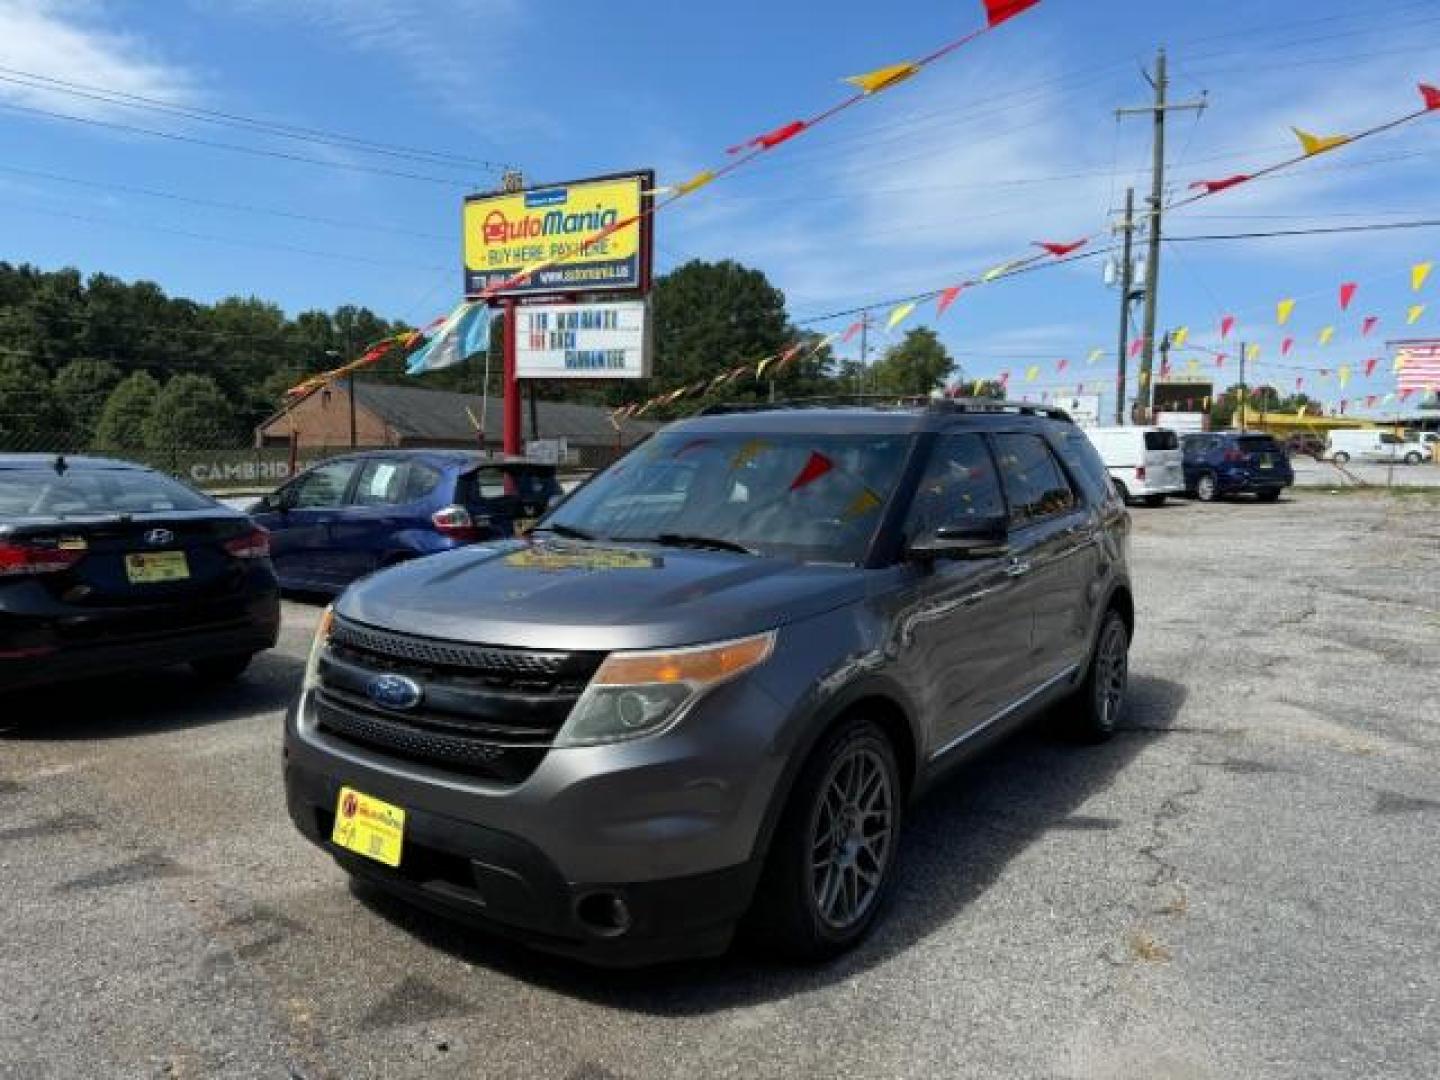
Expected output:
(159, 537)
(394, 692)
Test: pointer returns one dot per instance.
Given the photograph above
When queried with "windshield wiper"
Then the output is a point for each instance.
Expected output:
(568, 531)
(710, 543)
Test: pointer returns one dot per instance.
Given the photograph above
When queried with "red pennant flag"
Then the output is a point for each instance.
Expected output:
(1226, 325)
(852, 330)
(1300, 382)
(817, 466)
(1210, 187)
(1164, 369)
(1061, 365)
(1001, 10)
(1369, 401)
(1286, 346)
(1347, 294)
(1061, 250)
(1004, 378)
(1136, 347)
(1431, 95)
(788, 355)
(770, 139)
(1405, 394)
(946, 299)
(1220, 360)
(1371, 321)
(1370, 365)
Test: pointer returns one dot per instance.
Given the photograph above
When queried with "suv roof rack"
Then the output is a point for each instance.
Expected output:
(912, 402)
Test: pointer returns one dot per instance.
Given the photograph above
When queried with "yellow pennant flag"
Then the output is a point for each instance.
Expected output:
(1344, 374)
(979, 385)
(1031, 372)
(899, 315)
(1096, 354)
(1318, 144)
(1205, 405)
(1413, 316)
(1144, 378)
(695, 183)
(1326, 335)
(1252, 353)
(1283, 310)
(872, 82)
(1399, 364)
(1179, 336)
(997, 271)
(862, 504)
(1418, 273)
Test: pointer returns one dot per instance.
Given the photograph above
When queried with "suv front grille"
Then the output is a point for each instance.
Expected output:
(485, 710)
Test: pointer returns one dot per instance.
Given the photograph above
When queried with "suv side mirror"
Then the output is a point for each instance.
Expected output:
(969, 538)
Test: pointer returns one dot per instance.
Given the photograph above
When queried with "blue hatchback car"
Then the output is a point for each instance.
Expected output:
(1223, 463)
(351, 515)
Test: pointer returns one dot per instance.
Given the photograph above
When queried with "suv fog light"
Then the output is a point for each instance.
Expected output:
(643, 693)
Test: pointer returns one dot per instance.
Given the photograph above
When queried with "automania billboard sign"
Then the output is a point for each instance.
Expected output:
(506, 232)
(583, 341)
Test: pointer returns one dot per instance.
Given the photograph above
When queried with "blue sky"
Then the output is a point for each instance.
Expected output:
(1013, 139)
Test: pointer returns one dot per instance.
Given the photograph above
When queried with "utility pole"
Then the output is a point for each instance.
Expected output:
(1127, 284)
(1244, 390)
(864, 349)
(1161, 83)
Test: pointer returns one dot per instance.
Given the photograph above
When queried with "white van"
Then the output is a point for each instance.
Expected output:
(1372, 444)
(1144, 462)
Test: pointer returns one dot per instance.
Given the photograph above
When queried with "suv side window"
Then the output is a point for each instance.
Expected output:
(1085, 465)
(1034, 484)
(420, 481)
(959, 482)
(323, 488)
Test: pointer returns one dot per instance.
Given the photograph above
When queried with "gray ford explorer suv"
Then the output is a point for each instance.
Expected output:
(706, 688)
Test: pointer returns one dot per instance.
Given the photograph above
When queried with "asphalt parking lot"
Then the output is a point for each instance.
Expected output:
(1246, 882)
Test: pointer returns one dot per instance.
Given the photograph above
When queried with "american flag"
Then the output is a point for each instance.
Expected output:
(1421, 369)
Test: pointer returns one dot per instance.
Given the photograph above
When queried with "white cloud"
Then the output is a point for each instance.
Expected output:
(70, 42)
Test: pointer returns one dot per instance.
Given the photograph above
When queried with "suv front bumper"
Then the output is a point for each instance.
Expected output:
(668, 826)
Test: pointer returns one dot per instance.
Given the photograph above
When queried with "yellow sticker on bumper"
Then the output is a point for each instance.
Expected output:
(369, 827)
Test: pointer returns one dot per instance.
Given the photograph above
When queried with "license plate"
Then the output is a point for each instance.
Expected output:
(369, 827)
(1266, 462)
(155, 566)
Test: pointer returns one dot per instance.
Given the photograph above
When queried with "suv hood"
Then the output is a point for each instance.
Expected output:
(602, 596)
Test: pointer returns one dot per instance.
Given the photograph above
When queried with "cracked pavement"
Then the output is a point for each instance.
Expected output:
(1245, 882)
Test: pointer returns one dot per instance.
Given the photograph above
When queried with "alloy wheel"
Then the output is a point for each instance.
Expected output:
(851, 836)
(1112, 671)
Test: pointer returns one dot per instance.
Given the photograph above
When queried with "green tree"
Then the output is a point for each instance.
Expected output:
(711, 317)
(81, 389)
(191, 413)
(918, 365)
(28, 417)
(121, 428)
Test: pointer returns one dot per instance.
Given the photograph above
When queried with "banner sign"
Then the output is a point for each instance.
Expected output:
(505, 233)
(583, 341)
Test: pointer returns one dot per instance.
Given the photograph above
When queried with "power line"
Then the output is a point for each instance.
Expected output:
(1373, 226)
(228, 119)
(283, 155)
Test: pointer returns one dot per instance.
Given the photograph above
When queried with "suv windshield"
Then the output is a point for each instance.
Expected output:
(1257, 444)
(809, 497)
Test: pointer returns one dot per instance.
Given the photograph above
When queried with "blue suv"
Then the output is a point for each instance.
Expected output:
(351, 515)
(1223, 463)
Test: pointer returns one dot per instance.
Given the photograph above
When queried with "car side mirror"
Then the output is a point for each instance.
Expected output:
(969, 538)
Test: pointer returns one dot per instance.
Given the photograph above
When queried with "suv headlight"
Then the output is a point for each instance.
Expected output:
(317, 646)
(643, 693)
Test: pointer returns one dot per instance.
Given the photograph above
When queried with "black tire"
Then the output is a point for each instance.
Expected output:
(1341, 458)
(1154, 501)
(221, 669)
(1268, 496)
(1098, 704)
(1412, 458)
(1207, 488)
(1122, 491)
(787, 915)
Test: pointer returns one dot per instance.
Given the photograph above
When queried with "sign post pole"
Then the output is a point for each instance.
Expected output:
(512, 440)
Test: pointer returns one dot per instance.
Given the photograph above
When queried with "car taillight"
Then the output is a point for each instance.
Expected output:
(1234, 456)
(456, 523)
(20, 558)
(1140, 473)
(254, 544)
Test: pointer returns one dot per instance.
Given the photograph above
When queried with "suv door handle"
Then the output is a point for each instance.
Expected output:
(1018, 568)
